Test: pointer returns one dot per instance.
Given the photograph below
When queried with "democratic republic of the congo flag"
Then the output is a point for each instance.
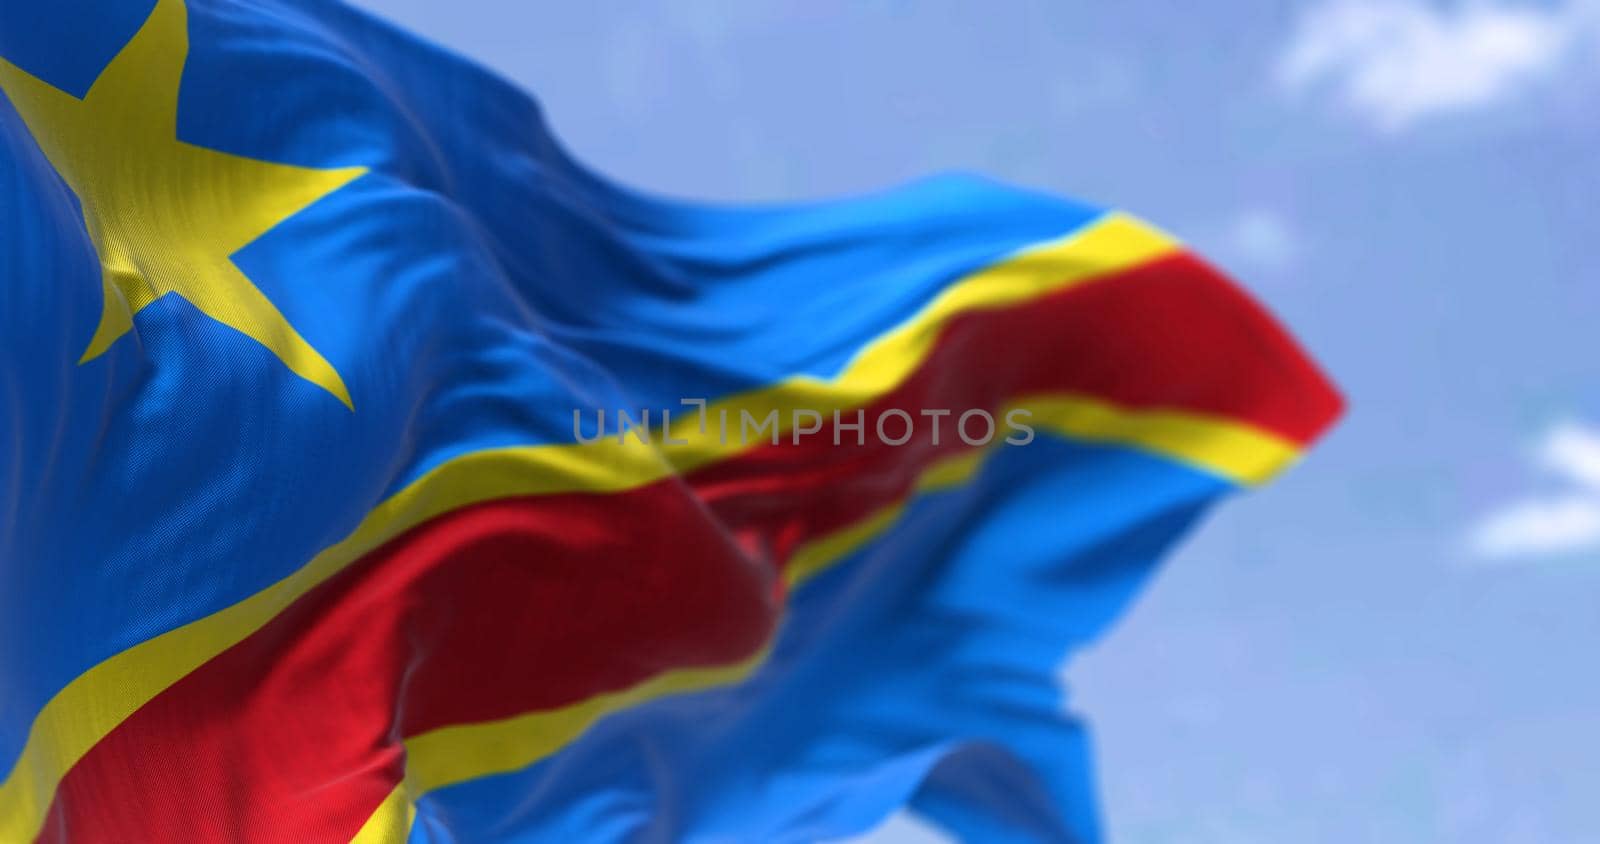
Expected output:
(370, 470)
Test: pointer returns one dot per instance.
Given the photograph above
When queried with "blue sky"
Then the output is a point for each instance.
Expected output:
(1396, 642)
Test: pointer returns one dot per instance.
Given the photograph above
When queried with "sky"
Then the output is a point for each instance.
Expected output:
(1397, 641)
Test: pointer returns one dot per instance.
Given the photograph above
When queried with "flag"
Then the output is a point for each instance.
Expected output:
(374, 471)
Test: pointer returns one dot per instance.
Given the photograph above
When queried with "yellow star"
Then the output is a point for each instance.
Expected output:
(165, 216)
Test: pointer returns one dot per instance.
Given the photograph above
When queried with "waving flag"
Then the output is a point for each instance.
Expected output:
(372, 470)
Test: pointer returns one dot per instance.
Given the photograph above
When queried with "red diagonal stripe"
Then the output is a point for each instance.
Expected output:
(533, 603)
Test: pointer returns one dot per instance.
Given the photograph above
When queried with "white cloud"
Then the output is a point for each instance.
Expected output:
(1255, 244)
(1262, 238)
(1540, 526)
(1397, 61)
(1560, 523)
(1573, 450)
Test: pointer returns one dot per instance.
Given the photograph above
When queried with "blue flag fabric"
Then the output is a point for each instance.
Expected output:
(373, 470)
